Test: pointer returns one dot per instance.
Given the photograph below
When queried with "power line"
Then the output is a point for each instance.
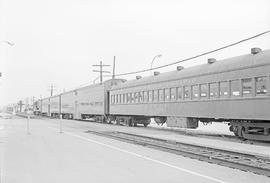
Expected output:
(197, 56)
(215, 50)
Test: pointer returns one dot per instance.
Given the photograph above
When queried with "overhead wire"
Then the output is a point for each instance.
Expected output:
(196, 56)
(186, 59)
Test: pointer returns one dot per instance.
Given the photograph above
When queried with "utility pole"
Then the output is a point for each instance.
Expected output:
(20, 105)
(33, 103)
(33, 100)
(52, 88)
(101, 70)
(113, 75)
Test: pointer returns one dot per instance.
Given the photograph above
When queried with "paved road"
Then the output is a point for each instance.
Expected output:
(74, 156)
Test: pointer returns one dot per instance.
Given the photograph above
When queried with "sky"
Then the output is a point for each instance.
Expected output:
(58, 41)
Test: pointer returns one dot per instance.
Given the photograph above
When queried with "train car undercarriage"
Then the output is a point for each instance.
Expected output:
(252, 130)
(129, 120)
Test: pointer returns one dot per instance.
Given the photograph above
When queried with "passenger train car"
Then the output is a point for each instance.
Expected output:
(234, 90)
(54, 106)
(82, 103)
(45, 107)
(67, 104)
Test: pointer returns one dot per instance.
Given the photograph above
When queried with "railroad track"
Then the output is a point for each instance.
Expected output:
(242, 161)
(189, 133)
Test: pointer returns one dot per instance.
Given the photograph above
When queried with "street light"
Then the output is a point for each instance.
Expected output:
(10, 44)
(7, 42)
(157, 56)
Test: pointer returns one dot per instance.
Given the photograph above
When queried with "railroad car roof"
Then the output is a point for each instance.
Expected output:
(84, 87)
(230, 64)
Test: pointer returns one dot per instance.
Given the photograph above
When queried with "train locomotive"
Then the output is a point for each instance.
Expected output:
(234, 90)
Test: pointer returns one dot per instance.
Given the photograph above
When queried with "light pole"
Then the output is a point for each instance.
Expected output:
(7, 42)
(157, 56)
(10, 44)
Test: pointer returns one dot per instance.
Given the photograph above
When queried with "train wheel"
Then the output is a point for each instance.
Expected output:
(240, 131)
(108, 120)
(243, 131)
(234, 130)
(129, 122)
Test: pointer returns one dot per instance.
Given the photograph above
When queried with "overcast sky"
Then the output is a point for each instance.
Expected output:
(58, 41)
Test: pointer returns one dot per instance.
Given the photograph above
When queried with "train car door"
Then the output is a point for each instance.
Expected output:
(107, 103)
(49, 108)
(76, 115)
(60, 106)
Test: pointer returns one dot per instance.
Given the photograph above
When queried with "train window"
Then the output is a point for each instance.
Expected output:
(123, 98)
(155, 95)
(150, 95)
(112, 99)
(135, 97)
(179, 93)
(126, 98)
(260, 83)
(167, 94)
(204, 91)
(247, 87)
(223, 91)
(187, 92)
(129, 98)
(132, 97)
(195, 91)
(140, 96)
(161, 95)
(213, 90)
(116, 99)
(173, 93)
(235, 88)
(145, 96)
(120, 98)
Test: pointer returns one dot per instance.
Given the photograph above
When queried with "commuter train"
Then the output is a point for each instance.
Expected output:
(234, 90)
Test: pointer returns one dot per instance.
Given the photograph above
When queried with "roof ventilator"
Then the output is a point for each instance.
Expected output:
(211, 60)
(255, 50)
(179, 68)
(156, 73)
(138, 77)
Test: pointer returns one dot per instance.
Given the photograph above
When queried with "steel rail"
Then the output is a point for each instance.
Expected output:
(237, 160)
